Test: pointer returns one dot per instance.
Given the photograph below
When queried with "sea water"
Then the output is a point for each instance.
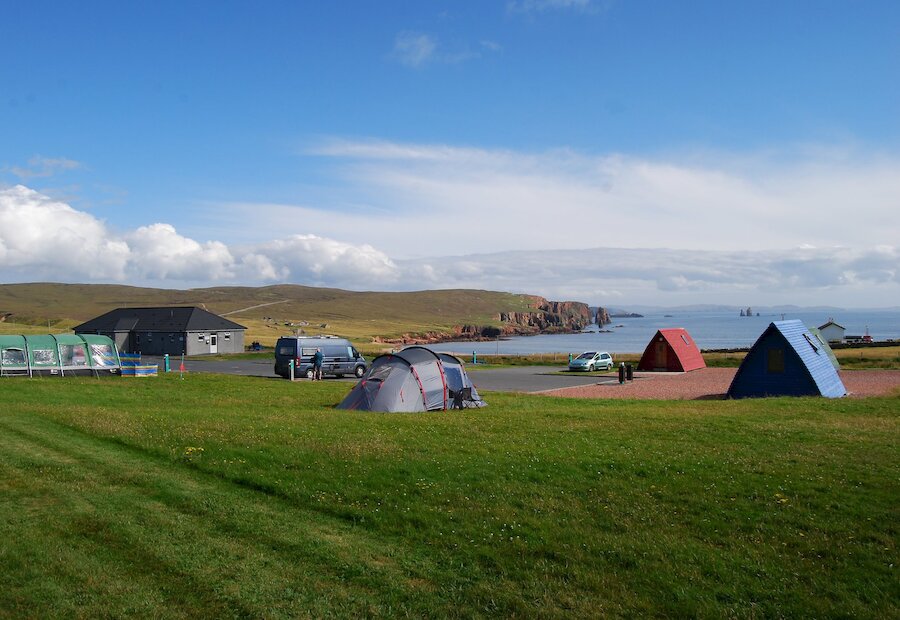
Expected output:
(711, 330)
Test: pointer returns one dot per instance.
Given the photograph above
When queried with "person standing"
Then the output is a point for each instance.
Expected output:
(318, 359)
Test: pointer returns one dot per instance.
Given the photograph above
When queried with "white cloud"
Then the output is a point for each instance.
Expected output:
(44, 167)
(835, 276)
(469, 200)
(532, 6)
(49, 239)
(41, 238)
(160, 253)
(435, 216)
(313, 260)
(414, 49)
(417, 49)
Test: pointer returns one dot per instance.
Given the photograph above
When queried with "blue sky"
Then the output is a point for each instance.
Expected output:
(605, 151)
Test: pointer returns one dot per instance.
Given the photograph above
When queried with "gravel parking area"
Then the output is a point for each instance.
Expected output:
(712, 383)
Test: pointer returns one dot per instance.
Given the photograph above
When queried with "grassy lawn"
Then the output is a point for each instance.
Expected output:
(240, 496)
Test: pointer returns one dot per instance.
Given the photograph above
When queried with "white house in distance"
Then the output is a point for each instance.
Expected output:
(831, 331)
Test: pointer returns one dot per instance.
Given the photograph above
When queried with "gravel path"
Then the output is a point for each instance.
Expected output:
(712, 383)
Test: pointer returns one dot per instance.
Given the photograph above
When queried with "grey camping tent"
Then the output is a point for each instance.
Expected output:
(415, 379)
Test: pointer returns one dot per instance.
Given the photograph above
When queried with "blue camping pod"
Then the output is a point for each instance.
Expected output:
(787, 360)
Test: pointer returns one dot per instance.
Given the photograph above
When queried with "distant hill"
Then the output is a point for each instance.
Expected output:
(271, 311)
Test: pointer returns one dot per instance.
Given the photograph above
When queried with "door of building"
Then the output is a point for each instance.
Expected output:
(661, 357)
(213, 343)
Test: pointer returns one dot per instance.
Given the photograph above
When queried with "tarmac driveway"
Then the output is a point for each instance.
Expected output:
(531, 378)
(511, 379)
(249, 368)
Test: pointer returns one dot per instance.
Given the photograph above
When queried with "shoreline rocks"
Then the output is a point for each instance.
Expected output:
(547, 317)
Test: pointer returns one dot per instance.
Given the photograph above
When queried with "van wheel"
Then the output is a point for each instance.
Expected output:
(359, 372)
(309, 373)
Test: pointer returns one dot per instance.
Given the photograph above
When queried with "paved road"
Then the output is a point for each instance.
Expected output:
(531, 378)
(512, 379)
(250, 368)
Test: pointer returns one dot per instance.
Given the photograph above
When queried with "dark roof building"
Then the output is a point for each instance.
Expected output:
(174, 330)
(787, 360)
(672, 350)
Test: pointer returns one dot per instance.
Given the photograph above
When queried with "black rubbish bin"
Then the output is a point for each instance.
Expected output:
(629, 372)
(621, 373)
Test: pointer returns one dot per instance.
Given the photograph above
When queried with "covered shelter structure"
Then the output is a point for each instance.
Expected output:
(174, 330)
(787, 360)
(414, 379)
(673, 350)
(58, 354)
(831, 331)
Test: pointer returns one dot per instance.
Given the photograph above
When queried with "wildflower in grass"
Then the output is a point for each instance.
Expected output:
(192, 453)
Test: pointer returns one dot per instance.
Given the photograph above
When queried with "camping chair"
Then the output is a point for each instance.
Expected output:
(460, 397)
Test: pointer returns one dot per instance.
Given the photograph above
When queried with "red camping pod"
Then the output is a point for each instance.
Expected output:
(672, 350)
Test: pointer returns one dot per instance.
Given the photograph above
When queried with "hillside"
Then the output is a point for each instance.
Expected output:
(271, 311)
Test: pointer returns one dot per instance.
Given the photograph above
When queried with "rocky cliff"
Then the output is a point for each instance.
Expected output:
(545, 317)
(603, 317)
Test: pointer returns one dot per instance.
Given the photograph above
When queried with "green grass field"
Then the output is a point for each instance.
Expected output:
(232, 496)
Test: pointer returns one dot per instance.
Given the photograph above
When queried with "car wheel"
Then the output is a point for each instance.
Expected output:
(591, 368)
(309, 373)
(359, 372)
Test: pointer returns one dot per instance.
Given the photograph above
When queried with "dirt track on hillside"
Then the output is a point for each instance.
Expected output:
(712, 383)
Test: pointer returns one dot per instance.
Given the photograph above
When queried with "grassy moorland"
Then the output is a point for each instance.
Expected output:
(270, 311)
(238, 496)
